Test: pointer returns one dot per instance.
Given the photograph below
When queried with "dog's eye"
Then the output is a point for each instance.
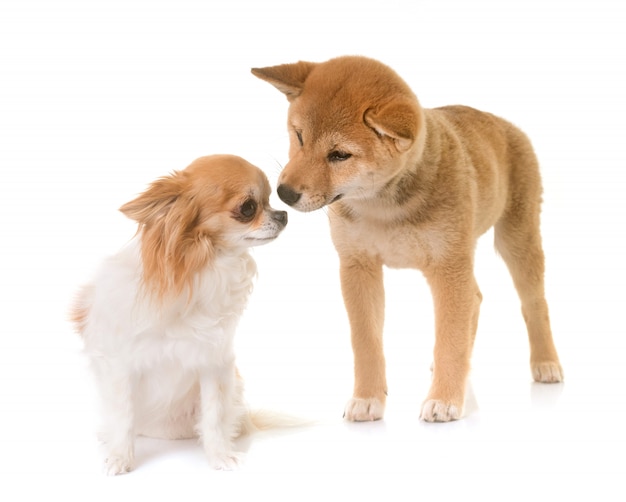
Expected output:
(299, 135)
(248, 209)
(338, 156)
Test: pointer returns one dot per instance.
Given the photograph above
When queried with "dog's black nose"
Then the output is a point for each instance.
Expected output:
(280, 217)
(287, 195)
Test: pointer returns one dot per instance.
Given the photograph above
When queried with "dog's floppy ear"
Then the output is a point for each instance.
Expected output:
(287, 78)
(401, 120)
(174, 248)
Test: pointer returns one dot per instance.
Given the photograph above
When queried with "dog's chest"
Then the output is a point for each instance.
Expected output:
(398, 246)
(199, 328)
(219, 300)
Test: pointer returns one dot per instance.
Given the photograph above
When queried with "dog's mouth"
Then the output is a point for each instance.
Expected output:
(337, 197)
(261, 239)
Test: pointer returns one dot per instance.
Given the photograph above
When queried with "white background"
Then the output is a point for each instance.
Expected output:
(98, 98)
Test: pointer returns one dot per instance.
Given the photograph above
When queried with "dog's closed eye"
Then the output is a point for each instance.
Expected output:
(338, 156)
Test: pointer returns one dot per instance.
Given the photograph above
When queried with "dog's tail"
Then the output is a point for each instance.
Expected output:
(262, 420)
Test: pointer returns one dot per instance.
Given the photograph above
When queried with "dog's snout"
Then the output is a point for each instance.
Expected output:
(288, 195)
(280, 217)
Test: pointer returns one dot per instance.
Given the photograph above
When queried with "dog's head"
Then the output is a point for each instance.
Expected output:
(217, 203)
(353, 123)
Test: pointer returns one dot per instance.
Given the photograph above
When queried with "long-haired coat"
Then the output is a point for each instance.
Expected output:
(158, 320)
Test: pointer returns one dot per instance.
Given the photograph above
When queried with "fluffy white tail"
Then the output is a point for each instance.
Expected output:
(262, 420)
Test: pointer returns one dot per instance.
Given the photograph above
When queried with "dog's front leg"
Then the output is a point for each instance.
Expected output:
(457, 302)
(217, 426)
(364, 298)
(118, 414)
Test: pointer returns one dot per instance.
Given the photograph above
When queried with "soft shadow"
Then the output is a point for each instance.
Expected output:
(471, 403)
(545, 395)
(149, 450)
(366, 428)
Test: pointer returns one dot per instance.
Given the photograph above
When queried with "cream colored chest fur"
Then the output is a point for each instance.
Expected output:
(400, 246)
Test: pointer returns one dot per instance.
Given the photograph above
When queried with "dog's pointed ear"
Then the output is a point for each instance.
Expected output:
(155, 201)
(402, 120)
(287, 78)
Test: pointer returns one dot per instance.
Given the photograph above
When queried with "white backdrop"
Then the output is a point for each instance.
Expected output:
(98, 98)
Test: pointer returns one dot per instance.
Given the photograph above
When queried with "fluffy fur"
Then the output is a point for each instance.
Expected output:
(158, 320)
(410, 187)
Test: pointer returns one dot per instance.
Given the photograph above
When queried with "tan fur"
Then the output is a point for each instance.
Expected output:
(178, 218)
(410, 187)
(79, 310)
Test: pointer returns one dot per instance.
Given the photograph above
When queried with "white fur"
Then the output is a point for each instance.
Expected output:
(168, 370)
(158, 321)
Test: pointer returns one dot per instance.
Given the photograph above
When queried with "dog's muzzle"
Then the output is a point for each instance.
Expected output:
(287, 195)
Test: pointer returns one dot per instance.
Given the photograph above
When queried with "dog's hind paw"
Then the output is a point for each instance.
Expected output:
(434, 410)
(547, 372)
(364, 410)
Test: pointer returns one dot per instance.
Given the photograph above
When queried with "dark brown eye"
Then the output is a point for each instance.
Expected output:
(338, 156)
(299, 134)
(248, 209)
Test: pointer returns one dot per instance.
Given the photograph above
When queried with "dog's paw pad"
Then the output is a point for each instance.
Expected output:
(364, 410)
(434, 410)
(115, 465)
(547, 372)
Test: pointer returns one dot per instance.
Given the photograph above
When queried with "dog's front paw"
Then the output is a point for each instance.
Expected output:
(225, 461)
(434, 410)
(118, 464)
(547, 372)
(364, 410)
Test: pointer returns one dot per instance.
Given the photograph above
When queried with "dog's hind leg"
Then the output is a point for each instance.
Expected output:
(518, 240)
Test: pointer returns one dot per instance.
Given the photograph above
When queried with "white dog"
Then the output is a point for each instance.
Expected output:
(159, 318)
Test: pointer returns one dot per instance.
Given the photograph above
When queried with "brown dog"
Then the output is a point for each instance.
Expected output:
(410, 187)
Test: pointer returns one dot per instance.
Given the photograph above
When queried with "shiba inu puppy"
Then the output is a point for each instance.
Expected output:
(409, 187)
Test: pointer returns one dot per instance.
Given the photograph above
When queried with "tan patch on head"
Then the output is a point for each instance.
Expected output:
(183, 218)
(350, 121)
